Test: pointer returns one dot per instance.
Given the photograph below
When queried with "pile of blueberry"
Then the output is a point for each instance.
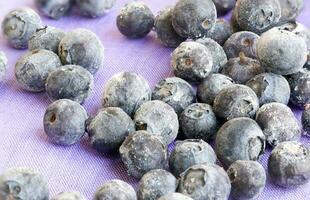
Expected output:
(56, 9)
(62, 64)
(246, 73)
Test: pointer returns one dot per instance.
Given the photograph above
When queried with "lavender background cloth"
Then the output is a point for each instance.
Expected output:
(79, 167)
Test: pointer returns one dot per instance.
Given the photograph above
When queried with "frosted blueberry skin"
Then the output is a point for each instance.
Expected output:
(156, 183)
(69, 196)
(270, 88)
(201, 182)
(297, 28)
(19, 25)
(217, 52)
(158, 118)
(224, 6)
(175, 92)
(248, 179)
(69, 82)
(47, 38)
(109, 128)
(239, 139)
(305, 119)
(289, 164)
(188, 153)
(3, 66)
(220, 32)
(23, 183)
(192, 61)
(278, 123)
(94, 8)
(165, 31)
(33, 68)
(115, 189)
(243, 41)
(135, 20)
(142, 152)
(210, 87)
(233, 22)
(193, 18)
(290, 9)
(301, 31)
(300, 88)
(257, 16)
(175, 196)
(241, 69)
(126, 90)
(198, 121)
(54, 9)
(64, 122)
(281, 52)
(82, 47)
(235, 101)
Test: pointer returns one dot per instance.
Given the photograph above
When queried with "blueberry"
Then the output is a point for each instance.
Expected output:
(290, 9)
(3, 65)
(54, 9)
(193, 18)
(278, 123)
(300, 91)
(69, 82)
(239, 139)
(135, 20)
(248, 179)
(23, 183)
(242, 68)
(46, 38)
(217, 52)
(115, 189)
(205, 182)
(305, 119)
(289, 164)
(142, 152)
(64, 122)
(176, 92)
(155, 184)
(224, 6)
(211, 86)
(82, 47)
(243, 41)
(192, 61)
(126, 90)
(198, 121)
(233, 21)
(299, 30)
(188, 153)
(69, 196)
(235, 101)
(270, 87)
(158, 118)
(33, 68)
(175, 196)
(300, 88)
(281, 52)
(257, 16)
(221, 31)
(108, 129)
(164, 29)
(95, 8)
(19, 25)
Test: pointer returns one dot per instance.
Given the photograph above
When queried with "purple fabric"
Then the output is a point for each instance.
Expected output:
(22, 139)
